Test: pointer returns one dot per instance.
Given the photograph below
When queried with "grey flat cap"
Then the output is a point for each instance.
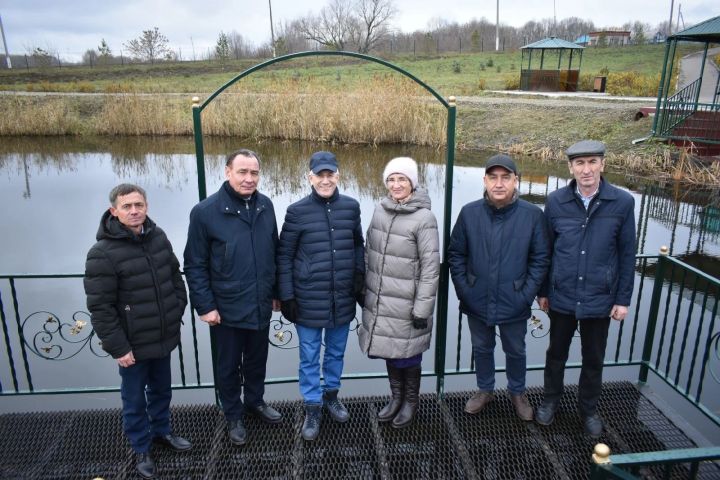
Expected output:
(586, 148)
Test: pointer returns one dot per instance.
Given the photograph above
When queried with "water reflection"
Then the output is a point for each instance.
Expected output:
(40, 172)
(54, 191)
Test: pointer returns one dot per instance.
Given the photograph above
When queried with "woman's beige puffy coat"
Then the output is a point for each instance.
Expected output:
(402, 270)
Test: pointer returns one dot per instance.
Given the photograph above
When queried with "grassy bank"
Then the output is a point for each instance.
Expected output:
(450, 74)
(340, 100)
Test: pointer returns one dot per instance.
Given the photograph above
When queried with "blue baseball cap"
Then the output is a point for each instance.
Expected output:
(320, 161)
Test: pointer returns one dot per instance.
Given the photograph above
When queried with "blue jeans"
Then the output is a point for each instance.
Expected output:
(146, 392)
(512, 336)
(332, 366)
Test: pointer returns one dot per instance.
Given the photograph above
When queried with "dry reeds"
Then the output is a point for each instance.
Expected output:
(381, 111)
(143, 114)
(49, 115)
(543, 153)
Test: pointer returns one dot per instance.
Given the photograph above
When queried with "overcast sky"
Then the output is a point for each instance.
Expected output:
(70, 27)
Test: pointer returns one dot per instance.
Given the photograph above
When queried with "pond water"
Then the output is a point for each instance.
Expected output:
(54, 192)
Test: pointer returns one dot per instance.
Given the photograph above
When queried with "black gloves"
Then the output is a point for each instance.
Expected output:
(359, 288)
(419, 323)
(289, 309)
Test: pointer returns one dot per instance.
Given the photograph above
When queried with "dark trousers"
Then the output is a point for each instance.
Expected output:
(146, 392)
(240, 363)
(593, 339)
(512, 335)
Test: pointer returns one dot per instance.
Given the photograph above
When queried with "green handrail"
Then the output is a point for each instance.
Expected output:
(624, 466)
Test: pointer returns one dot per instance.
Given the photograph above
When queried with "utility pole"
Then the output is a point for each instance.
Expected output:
(7, 55)
(672, 6)
(497, 28)
(554, 19)
(272, 31)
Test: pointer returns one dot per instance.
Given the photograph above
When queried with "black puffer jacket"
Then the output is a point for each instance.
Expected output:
(135, 293)
(320, 251)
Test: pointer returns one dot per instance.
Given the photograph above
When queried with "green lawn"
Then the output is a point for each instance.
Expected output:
(451, 74)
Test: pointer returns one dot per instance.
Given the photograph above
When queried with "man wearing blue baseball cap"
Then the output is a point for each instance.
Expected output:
(321, 269)
(592, 229)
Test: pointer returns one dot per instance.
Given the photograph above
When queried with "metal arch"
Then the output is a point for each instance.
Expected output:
(321, 53)
(443, 289)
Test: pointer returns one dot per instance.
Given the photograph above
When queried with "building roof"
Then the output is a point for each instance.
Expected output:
(552, 42)
(616, 33)
(583, 39)
(707, 31)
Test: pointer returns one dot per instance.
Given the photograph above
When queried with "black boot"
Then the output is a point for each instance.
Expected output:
(311, 425)
(335, 408)
(397, 388)
(412, 398)
(145, 465)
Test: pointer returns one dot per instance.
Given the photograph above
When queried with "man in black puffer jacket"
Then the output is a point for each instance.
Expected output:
(136, 298)
(321, 271)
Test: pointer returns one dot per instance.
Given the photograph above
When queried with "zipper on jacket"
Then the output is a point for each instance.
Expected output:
(327, 208)
(158, 296)
(253, 221)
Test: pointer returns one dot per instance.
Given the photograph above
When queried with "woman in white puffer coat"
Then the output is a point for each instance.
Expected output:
(402, 270)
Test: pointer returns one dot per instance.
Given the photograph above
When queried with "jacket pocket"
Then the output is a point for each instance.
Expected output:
(471, 279)
(228, 255)
(610, 280)
(519, 285)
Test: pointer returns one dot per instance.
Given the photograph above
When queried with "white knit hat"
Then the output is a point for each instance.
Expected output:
(405, 166)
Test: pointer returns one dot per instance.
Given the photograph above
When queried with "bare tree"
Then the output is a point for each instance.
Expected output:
(290, 38)
(151, 45)
(41, 57)
(237, 44)
(334, 27)
(374, 22)
(90, 57)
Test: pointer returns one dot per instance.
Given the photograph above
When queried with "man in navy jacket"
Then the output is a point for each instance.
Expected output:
(592, 229)
(321, 271)
(230, 271)
(499, 257)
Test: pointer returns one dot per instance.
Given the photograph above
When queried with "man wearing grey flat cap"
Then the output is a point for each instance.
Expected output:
(499, 255)
(592, 230)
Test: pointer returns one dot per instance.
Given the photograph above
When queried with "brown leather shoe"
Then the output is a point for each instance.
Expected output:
(478, 401)
(522, 407)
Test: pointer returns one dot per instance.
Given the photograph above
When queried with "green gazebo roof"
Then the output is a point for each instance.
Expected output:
(707, 31)
(552, 42)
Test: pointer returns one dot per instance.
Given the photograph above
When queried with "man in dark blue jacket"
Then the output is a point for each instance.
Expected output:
(592, 229)
(230, 270)
(136, 298)
(321, 270)
(499, 256)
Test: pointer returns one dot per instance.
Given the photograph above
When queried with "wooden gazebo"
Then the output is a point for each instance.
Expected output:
(544, 77)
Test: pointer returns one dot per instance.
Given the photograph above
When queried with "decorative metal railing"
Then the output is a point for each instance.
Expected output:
(671, 332)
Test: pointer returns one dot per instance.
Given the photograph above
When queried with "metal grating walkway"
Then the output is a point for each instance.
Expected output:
(444, 443)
